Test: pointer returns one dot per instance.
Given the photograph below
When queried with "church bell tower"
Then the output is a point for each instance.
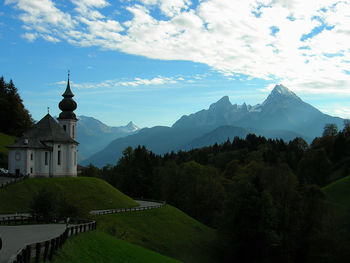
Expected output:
(67, 118)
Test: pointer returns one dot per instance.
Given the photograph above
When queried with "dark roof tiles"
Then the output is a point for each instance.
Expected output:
(46, 130)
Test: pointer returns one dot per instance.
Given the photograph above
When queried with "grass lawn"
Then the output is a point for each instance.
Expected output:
(338, 195)
(166, 230)
(99, 247)
(87, 193)
(5, 140)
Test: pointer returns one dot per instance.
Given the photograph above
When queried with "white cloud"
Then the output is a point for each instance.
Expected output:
(41, 13)
(136, 82)
(30, 36)
(337, 109)
(87, 8)
(169, 8)
(231, 36)
(51, 38)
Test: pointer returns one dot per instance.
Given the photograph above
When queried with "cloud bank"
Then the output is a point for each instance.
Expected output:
(303, 44)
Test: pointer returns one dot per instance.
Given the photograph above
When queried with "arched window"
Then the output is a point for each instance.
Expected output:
(59, 158)
(46, 158)
(18, 156)
(64, 127)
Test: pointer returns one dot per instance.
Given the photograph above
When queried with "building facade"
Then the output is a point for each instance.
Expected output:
(50, 148)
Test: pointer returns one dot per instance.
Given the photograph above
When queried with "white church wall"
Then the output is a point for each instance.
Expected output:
(17, 161)
(42, 163)
(63, 163)
(70, 127)
(30, 156)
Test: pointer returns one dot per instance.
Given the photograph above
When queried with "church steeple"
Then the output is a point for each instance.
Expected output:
(67, 104)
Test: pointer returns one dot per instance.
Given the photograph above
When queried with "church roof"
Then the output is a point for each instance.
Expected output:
(67, 104)
(68, 93)
(46, 130)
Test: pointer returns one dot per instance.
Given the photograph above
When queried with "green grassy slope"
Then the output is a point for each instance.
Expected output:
(5, 140)
(166, 230)
(87, 193)
(99, 247)
(338, 195)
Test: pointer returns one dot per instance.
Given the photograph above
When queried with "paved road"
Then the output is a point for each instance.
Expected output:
(146, 203)
(140, 202)
(16, 237)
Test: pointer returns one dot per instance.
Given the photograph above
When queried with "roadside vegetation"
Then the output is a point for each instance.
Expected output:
(99, 247)
(338, 196)
(166, 230)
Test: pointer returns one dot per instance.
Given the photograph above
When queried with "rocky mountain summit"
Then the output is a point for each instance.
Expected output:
(282, 110)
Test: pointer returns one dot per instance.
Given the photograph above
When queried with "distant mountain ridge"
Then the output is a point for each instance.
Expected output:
(93, 135)
(282, 110)
(283, 115)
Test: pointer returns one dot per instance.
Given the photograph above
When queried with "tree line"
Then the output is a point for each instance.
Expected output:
(262, 195)
(14, 117)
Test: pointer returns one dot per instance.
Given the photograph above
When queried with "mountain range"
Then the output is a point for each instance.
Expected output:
(282, 115)
(93, 135)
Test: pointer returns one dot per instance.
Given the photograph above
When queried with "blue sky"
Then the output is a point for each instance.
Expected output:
(152, 61)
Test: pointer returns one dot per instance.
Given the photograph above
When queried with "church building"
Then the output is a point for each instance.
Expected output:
(49, 149)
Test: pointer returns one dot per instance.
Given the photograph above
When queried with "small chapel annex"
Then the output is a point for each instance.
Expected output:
(49, 149)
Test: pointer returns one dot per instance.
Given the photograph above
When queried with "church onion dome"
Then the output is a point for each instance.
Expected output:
(67, 104)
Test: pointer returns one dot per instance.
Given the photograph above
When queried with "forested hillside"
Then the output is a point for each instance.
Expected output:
(262, 195)
(14, 117)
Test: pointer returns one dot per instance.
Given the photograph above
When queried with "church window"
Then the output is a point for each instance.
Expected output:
(46, 158)
(59, 158)
(31, 170)
(64, 127)
(73, 131)
(18, 156)
(31, 156)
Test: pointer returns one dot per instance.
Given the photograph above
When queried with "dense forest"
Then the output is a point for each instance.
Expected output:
(263, 196)
(14, 117)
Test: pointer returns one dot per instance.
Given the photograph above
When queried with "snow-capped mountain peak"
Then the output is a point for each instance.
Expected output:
(280, 93)
(131, 126)
(281, 90)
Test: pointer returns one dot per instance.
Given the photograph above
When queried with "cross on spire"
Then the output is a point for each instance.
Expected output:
(48, 110)
(68, 73)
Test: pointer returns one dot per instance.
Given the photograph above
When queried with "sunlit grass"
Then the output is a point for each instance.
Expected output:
(166, 230)
(85, 193)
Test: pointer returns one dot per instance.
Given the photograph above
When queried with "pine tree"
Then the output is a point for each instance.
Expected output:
(14, 117)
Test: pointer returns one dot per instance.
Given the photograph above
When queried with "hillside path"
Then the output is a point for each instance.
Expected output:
(15, 238)
(141, 203)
